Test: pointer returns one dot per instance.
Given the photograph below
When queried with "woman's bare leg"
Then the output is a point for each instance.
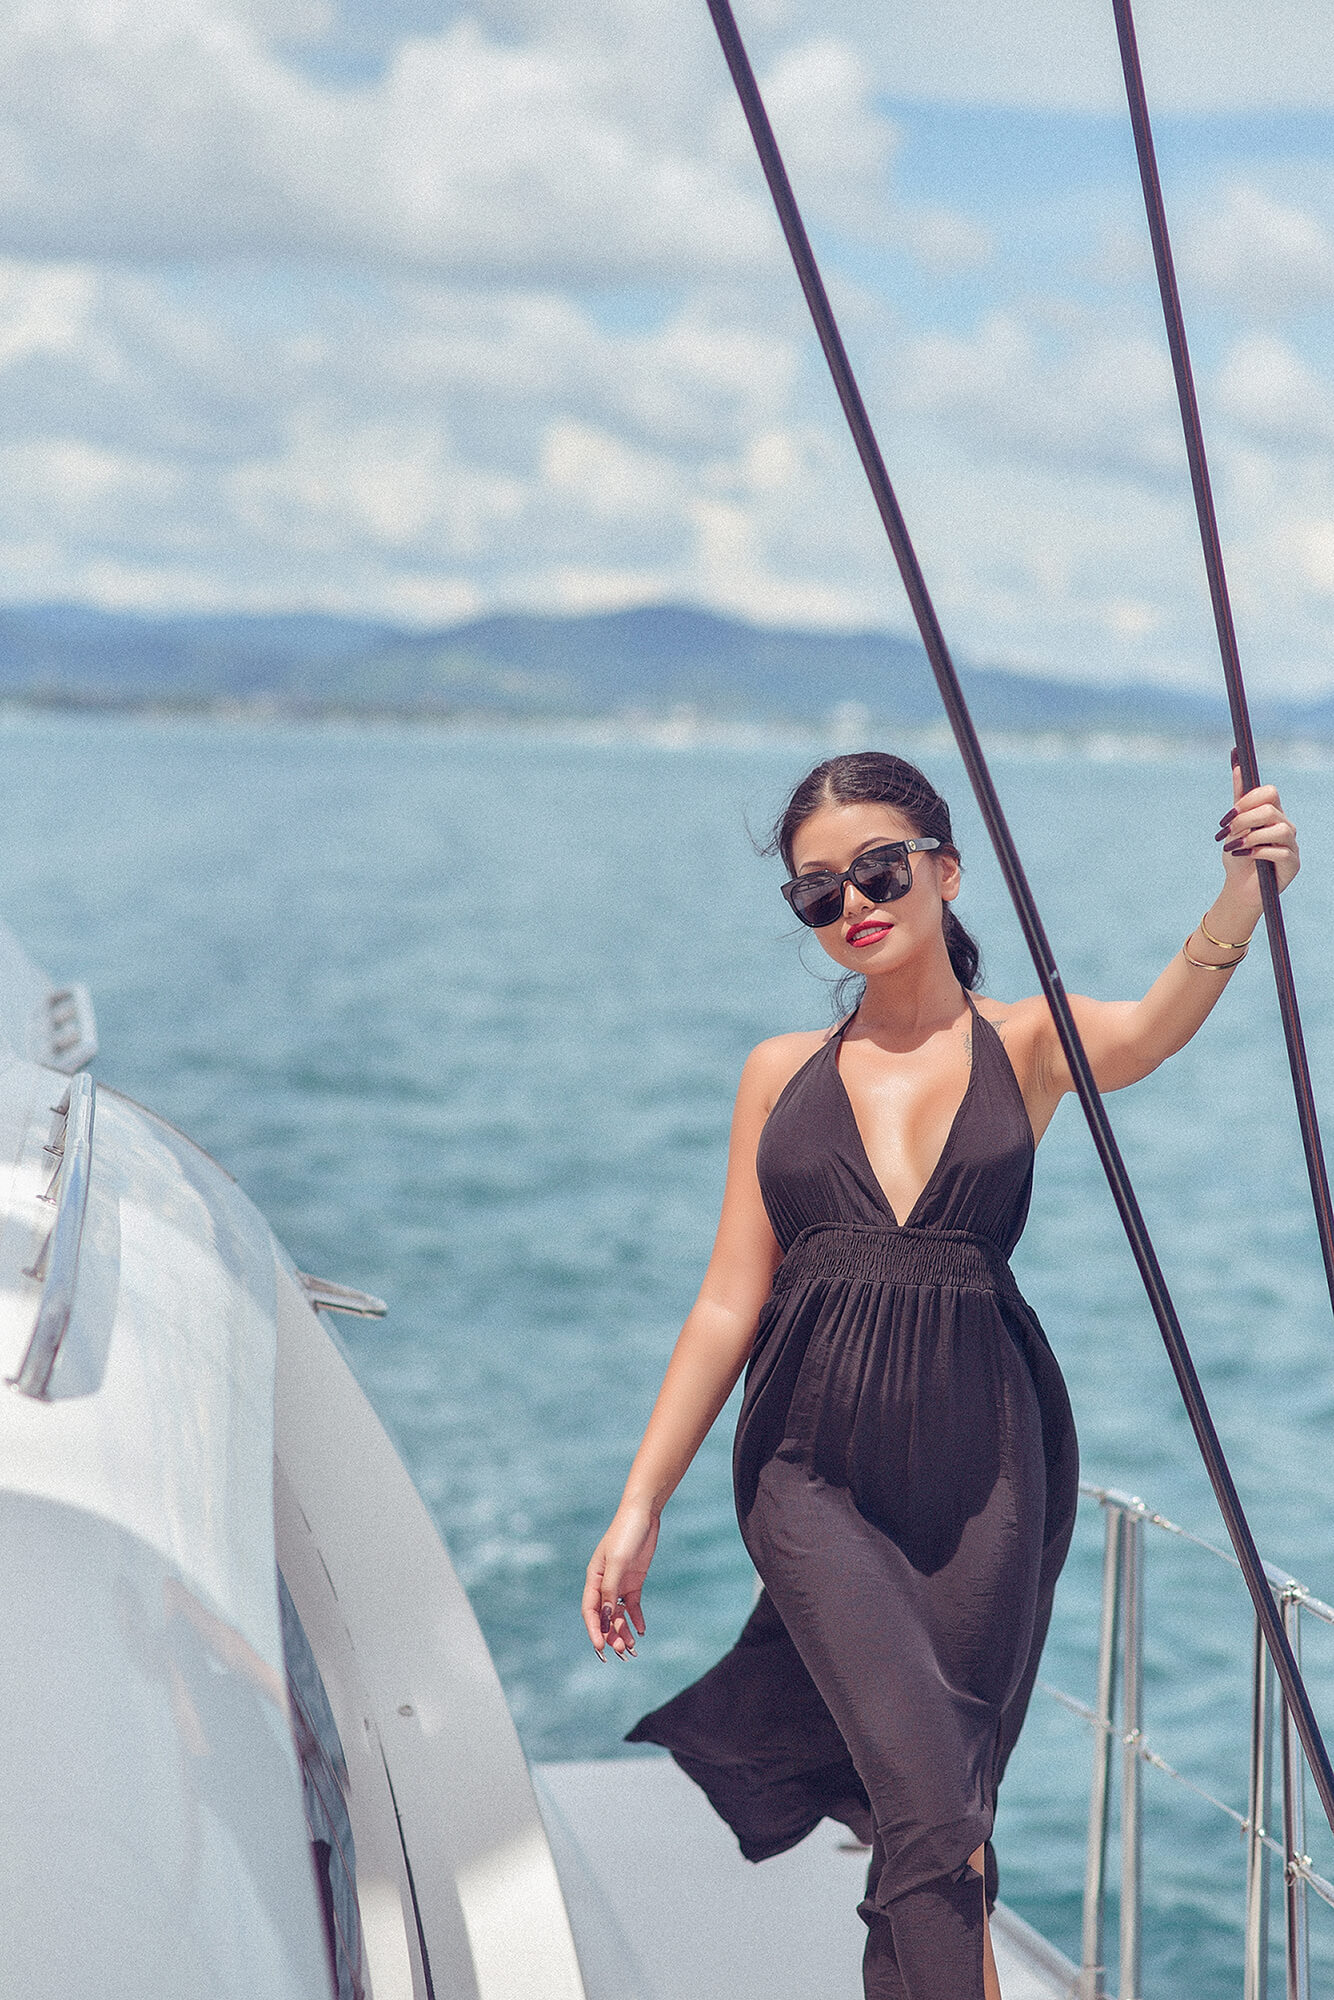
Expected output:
(978, 1860)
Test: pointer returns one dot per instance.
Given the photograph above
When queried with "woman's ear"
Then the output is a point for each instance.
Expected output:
(949, 875)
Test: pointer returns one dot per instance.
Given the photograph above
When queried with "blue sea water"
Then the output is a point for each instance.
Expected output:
(464, 1013)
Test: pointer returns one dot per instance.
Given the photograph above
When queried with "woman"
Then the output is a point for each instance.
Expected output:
(905, 1460)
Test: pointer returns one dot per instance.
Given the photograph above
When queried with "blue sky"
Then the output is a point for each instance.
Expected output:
(416, 310)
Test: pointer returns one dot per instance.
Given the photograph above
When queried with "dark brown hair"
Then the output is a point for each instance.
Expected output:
(874, 777)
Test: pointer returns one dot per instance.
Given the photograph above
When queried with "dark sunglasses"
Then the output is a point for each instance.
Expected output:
(883, 874)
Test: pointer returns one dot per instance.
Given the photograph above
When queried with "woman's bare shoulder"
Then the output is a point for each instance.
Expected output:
(772, 1064)
(1013, 1017)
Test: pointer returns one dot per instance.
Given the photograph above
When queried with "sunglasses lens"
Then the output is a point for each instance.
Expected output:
(817, 900)
(883, 875)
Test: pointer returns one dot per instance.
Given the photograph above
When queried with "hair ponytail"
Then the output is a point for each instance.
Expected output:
(962, 948)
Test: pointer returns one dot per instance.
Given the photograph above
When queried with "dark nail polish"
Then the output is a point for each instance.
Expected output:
(1236, 760)
(1228, 816)
(1221, 833)
(1234, 847)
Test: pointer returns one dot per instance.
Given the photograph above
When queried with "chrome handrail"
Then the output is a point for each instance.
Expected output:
(1259, 1804)
(60, 1258)
(1294, 1829)
(1100, 1794)
(1112, 1496)
(1120, 1658)
(1133, 1746)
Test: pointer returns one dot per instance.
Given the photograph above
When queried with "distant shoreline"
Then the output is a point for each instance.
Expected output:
(668, 674)
(678, 728)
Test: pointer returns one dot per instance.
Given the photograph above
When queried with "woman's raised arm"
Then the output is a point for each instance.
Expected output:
(1127, 1039)
(709, 1355)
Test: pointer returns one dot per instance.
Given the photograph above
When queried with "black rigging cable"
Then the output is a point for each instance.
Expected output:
(1030, 922)
(1227, 636)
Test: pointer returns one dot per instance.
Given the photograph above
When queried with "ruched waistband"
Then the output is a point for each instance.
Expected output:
(856, 1252)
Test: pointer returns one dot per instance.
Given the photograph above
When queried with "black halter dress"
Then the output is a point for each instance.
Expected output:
(906, 1479)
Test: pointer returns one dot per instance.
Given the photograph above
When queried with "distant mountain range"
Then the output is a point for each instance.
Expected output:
(522, 666)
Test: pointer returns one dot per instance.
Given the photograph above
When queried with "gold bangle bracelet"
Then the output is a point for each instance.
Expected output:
(1205, 931)
(1207, 965)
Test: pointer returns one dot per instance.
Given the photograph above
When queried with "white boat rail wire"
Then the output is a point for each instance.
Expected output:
(57, 1262)
(1120, 1660)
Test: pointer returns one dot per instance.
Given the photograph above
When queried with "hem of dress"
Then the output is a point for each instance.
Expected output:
(729, 1795)
(961, 1837)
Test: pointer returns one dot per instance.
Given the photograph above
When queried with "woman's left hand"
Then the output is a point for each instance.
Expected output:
(1257, 829)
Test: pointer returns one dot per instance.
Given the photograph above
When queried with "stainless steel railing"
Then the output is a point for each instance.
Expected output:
(1119, 1724)
(58, 1261)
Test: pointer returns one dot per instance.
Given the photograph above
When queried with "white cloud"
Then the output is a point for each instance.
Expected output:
(392, 488)
(42, 311)
(1060, 388)
(1313, 548)
(735, 569)
(1268, 256)
(1040, 463)
(432, 452)
(290, 21)
(1083, 573)
(411, 408)
(169, 130)
(1198, 55)
(588, 152)
(837, 148)
(81, 481)
(1274, 397)
(607, 479)
(426, 453)
(494, 159)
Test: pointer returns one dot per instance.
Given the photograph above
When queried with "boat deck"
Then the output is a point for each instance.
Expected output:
(643, 1857)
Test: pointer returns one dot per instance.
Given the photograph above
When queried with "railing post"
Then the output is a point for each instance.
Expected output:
(1258, 1810)
(1294, 1822)
(1091, 1981)
(1132, 1618)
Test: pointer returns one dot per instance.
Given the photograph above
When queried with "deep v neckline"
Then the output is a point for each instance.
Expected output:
(834, 1045)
